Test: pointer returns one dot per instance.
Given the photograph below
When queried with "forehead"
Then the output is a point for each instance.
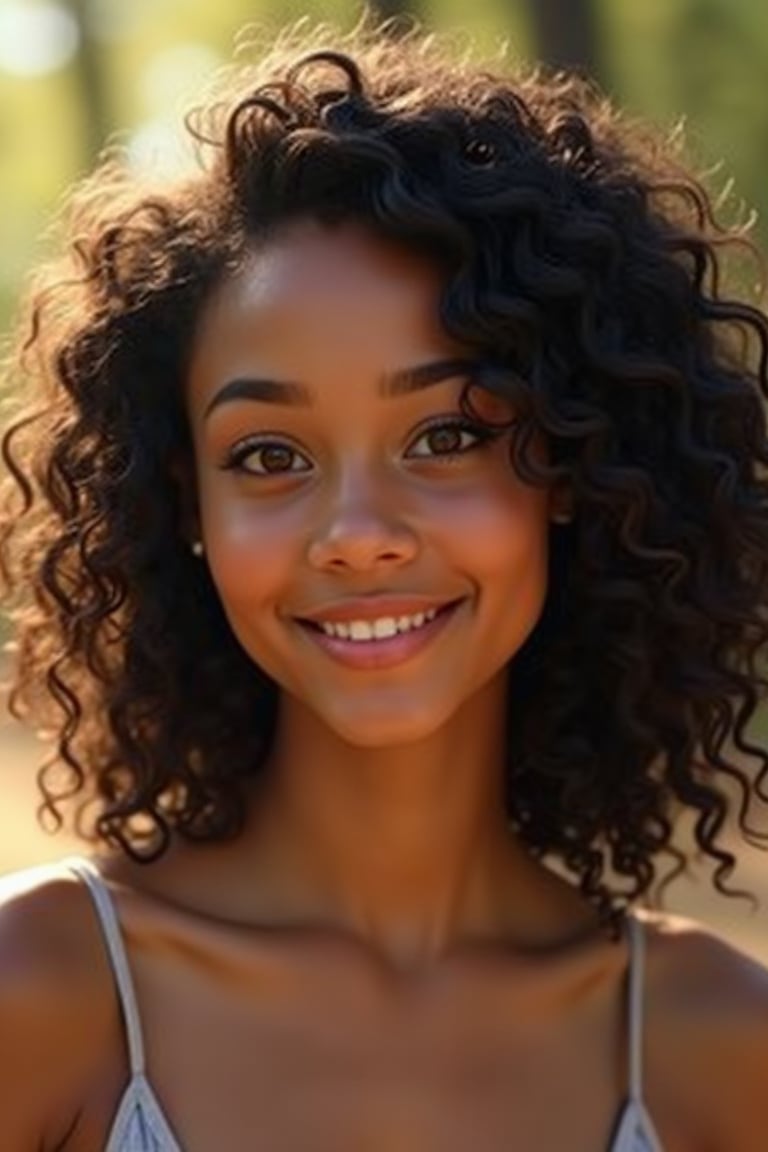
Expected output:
(317, 304)
(322, 278)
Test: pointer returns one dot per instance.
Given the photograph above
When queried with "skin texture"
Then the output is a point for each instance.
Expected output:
(377, 936)
(413, 751)
(376, 942)
(581, 263)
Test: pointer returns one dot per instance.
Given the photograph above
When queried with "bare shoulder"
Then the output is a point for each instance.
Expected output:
(55, 1004)
(707, 1016)
(43, 912)
(694, 961)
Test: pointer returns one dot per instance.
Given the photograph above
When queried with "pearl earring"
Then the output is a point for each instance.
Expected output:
(198, 548)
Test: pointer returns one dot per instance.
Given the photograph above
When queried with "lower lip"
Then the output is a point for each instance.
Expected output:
(382, 653)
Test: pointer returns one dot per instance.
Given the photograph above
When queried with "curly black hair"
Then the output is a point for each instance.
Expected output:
(582, 265)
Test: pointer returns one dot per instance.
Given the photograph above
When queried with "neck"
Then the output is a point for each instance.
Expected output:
(407, 847)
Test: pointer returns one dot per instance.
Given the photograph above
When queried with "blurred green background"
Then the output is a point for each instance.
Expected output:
(75, 74)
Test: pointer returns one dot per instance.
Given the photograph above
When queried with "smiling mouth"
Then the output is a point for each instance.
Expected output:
(379, 629)
(378, 654)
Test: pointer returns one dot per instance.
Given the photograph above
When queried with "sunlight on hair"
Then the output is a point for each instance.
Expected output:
(158, 148)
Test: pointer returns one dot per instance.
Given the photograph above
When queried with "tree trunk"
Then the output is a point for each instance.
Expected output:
(385, 9)
(566, 35)
(91, 81)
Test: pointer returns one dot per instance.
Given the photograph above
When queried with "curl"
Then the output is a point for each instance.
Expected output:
(584, 268)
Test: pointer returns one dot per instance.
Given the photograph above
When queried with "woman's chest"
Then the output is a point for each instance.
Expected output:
(343, 1106)
(320, 1055)
(339, 1078)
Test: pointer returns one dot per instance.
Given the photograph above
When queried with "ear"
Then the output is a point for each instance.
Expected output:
(561, 504)
(182, 470)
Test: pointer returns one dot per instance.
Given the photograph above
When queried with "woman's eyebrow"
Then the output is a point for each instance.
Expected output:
(399, 383)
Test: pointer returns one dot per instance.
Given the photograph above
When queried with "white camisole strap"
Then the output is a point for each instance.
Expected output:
(635, 1007)
(141, 1126)
(114, 941)
(636, 1131)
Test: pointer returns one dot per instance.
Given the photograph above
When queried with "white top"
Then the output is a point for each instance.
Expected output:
(140, 1124)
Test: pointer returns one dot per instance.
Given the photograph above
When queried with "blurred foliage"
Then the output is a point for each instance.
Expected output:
(701, 60)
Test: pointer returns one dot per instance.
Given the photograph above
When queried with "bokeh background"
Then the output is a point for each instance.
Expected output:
(77, 74)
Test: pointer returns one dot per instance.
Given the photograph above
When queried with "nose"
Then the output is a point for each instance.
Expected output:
(362, 528)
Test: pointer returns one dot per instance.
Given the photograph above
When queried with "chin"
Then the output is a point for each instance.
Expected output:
(382, 727)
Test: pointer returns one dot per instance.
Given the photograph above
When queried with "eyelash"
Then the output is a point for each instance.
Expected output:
(253, 444)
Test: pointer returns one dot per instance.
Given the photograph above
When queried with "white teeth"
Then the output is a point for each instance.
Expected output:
(381, 629)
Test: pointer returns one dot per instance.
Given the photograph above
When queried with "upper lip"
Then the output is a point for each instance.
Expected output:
(373, 608)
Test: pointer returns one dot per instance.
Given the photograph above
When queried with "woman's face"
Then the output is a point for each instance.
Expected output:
(323, 491)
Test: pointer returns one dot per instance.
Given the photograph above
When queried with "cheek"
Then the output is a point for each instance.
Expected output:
(253, 558)
(249, 550)
(501, 529)
(504, 541)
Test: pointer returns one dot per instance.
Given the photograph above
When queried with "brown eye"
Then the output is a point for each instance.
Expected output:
(445, 439)
(275, 457)
(263, 458)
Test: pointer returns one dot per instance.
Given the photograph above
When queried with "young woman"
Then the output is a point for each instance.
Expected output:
(387, 542)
